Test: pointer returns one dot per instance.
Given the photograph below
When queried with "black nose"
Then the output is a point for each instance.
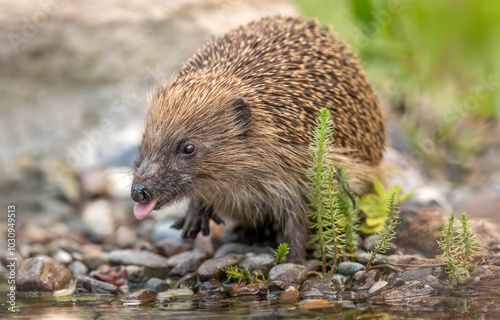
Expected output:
(140, 193)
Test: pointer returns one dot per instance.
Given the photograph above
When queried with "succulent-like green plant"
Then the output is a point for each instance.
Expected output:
(375, 206)
(388, 233)
(243, 275)
(281, 253)
(459, 247)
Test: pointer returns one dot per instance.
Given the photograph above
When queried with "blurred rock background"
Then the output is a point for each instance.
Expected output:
(75, 75)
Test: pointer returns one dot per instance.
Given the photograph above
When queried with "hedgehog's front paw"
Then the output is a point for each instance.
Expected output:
(197, 219)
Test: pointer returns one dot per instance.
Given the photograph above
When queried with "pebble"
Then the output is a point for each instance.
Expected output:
(62, 256)
(95, 182)
(418, 274)
(362, 280)
(125, 236)
(90, 285)
(252, 261)
(78, 268)
(238, 290)
(140, 258)
(143, 274)
(174, 294)
(214, 268)
(157, 285)
(186, 255)
(116, 275)
(239, 248)
(212, 286)
(289, 273)
(185, 267)
(171, 247)
(98, 219)
(139, 297)
(316, 287)
(377, 286)
(42, 273)
(289, 296)
(348, 268)
(363, 257)
(94, 259)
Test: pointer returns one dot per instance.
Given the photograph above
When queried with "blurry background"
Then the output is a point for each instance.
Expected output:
(74, 78)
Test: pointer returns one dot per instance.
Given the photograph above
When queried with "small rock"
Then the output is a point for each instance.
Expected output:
(312, 264)
(307, 304)
(207, 244)
(170, 247)
(362, 280)
(140, 258)
(289, 296)
(115, 275)
(139, 297)
(280, 285)
(363, 257)
(252, 261)
(409, 290)
(288, 272)
(62, 256)
(77, 269)
(212, 286)
(239, 248)
(316, 287)
(186, 255)
(214, 268)
(94, 259)
(418, 274)
(370, 242)
(185, 267)
(244, 289)
(90, 285)
(125, 236)
(485, 276)
(377, 286)
(174, 294)
(348, 268)
(143, 274)
(435, 283)
(338, 281)
(98, 218)
(157, 285)
(42, 273)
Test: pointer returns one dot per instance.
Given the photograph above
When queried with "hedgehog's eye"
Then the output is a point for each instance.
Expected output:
(189, 149)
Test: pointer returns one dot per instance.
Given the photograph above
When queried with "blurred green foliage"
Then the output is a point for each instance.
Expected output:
(437, 62)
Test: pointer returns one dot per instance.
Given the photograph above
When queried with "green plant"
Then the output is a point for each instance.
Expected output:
(375, 206)
(459, 247)
(347, 206)
(243, 275)
(281, 253)
(318, 177)
(388, 233)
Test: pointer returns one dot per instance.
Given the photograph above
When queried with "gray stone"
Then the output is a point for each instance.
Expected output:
(377, 286)
(157, 285)
(252, 261)
(139, 297)
(239, 248)
(185, 267)
(90, 285)
(42, 273)
(98, 218)
(140, 258)
(174, 294)
(214, 268)
(316, 287)
(348, 268)
(289, 273)
(143, 274)
(171, 247)
(94, 259)
(77, 269)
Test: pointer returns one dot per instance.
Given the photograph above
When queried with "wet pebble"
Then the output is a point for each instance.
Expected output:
(212, 286)
(77, 269)
(238, 290)
(316, 287)
(174, 294)
(116, 275)
(143, 274)
(485, 276)
(252, 261)
(140, 258)
(94, 259)
(418, 274)
(214, 268)
(157, 285)
(377, 286)
(185, 267)
(362, 280)
(90, 285)
(288, 273)
(408, 290)
(171, 247)
(289, 296)
(139, 297)
(42, 273)
(348, 268)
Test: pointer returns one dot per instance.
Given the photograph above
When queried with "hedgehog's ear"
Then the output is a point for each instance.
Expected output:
(243, 112)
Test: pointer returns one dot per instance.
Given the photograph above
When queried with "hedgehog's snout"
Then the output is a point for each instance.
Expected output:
(140, 193)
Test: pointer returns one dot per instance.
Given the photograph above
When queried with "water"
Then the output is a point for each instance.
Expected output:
(461, 304)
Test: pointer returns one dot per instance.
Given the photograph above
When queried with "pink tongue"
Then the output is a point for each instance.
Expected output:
(141, 210)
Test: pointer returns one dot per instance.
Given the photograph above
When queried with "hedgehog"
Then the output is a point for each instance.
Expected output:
(231, 131)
